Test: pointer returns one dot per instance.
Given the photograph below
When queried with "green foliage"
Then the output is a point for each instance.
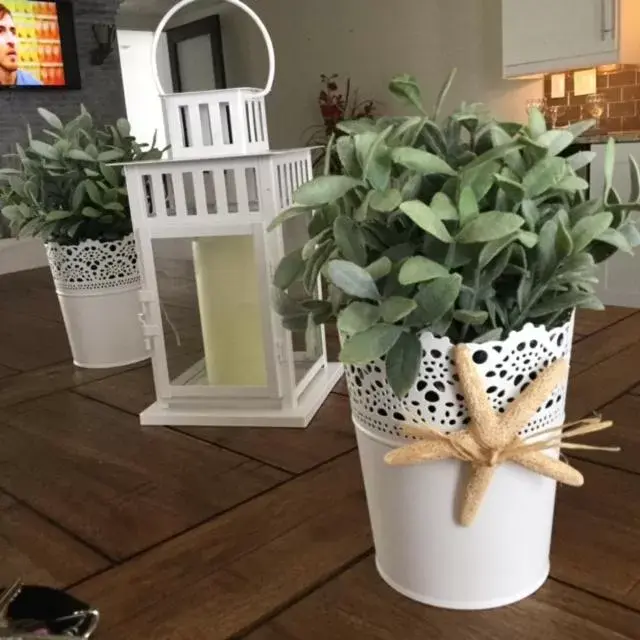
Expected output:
(65, 190)
(466, 227)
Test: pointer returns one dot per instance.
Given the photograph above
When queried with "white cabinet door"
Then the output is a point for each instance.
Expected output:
(620, 275)
(545, 35)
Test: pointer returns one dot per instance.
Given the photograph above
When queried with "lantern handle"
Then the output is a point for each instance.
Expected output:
(183, 3)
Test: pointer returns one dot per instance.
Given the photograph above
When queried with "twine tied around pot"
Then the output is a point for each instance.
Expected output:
(492, 438)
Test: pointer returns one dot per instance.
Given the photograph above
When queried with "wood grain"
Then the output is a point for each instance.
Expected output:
(595, 542)
(38, 552)
(117, 486)
(29, 342)
(224, 576)
(589, 322)
(599, 385)
(606, 343)
(625, 413)
(359, 605)
(329, 434)
(57, 377)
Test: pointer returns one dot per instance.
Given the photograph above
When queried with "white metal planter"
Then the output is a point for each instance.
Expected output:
(421, 550)
(98, 286)
(204, 212)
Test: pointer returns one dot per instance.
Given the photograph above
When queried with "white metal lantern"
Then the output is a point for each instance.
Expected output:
(220, 355)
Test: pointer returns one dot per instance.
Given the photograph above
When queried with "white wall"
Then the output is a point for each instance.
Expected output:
(371, 41)
(144, 108)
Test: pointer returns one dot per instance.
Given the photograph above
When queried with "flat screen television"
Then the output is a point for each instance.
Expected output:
(38, 45)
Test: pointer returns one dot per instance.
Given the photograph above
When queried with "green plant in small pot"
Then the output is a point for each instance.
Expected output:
(63, 187)
(437, 233)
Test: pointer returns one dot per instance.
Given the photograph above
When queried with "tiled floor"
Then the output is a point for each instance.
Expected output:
(263, 534)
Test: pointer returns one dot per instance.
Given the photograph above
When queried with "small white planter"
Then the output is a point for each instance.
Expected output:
(98, 287)
(421, 550)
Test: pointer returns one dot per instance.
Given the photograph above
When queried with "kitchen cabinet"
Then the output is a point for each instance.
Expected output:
(543, 36)
(620, 275)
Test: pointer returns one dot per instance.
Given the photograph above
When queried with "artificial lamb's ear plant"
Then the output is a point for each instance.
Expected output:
(467, 227)
(66, 189)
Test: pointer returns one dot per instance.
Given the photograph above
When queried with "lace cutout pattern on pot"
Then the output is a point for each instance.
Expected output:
(94, 266)
(508, 367)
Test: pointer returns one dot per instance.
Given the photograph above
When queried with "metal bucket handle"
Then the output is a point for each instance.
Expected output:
(240, 5)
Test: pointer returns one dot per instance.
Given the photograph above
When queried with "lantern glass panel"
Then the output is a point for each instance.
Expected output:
(211, 311)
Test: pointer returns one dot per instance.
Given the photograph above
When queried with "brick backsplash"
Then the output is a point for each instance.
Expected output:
(620, 87)
(102, 91)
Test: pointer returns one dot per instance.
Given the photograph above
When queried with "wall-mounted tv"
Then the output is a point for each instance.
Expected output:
(38, 45)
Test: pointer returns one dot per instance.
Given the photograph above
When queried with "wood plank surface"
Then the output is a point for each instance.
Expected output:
(359, 605)
(117, 486)
(224, 576)
(329, 434)
(606, 343)
(38, 552)
(592, 389)
(589, 322)
(596, 543)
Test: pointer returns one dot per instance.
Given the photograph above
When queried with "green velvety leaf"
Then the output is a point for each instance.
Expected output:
(546, 250)
(349, 240)
(323, 190)
(489, 336)
(284, 304)
(405, 87)
(537, 124)
(573, 183)
(396, 308)
(411, 187)
(581, 159)
(123, 127)
(513, 159)
(616, 239)
(546, 174)
(403, 363)
(524, 290)
(52, 216)
(90, 212)
(353, 280)
(564, 241)
(630, 232)
(438, 296)
(386, 201)
(78, 196)
(111, 155)
(110, 175)
(358, 317)
(291, 267)
(527, 238)
(442, 206)
(420, 269)
(470, 317)
(530, 213)
(578, 128)
(79, 154)
(369, 345)
(356, 127)
(51, 119)
(585, 209)
(489, 226)
(513, 189)
(374, 158)
(297, 323)
(314, 266)
(586, 230)
(287, 214)
(93, 192)
(421, 161)
(556, 140)
(424, 217)
(634, 176)
(493, 248)
(346, 149)
(609, 164)
(467, 206)
(45, 150)
(380, 268)
(443, 93)
(12, 213)
(567, 301)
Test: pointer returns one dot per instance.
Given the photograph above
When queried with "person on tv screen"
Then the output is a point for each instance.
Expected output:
(10, 75)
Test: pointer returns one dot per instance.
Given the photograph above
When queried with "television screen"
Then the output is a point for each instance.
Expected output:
(37, 45)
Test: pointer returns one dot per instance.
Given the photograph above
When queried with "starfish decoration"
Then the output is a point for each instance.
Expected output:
(492, 438)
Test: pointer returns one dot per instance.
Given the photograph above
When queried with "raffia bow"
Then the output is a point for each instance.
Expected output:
(492, 439)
